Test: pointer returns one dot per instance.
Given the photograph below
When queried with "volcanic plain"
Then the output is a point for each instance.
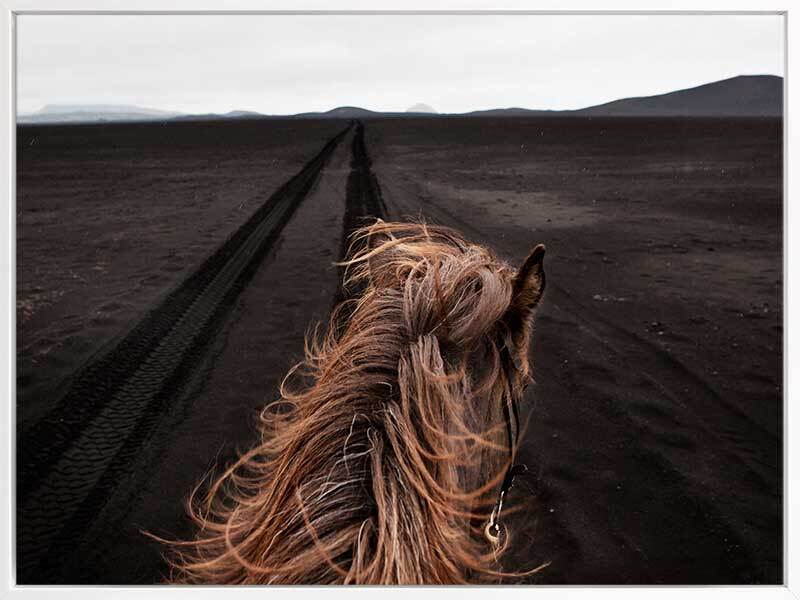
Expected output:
(655, 427)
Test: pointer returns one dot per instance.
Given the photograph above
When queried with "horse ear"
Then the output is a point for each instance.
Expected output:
(529, 284)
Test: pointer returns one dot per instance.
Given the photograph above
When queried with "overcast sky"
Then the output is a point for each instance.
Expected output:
(289, 64)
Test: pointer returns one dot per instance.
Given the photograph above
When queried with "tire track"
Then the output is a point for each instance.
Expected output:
(72, 459)
(364, 203)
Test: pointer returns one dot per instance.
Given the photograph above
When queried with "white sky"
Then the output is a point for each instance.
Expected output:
(290, 64)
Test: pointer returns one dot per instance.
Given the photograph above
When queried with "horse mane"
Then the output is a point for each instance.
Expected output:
(382, 459)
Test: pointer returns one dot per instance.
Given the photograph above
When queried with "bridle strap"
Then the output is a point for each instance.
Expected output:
(511, 413)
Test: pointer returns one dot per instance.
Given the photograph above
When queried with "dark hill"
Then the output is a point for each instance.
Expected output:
(342, 112)
(742, 96)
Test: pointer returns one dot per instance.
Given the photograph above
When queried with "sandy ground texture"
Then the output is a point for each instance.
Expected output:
(654, 443)
(111, 217)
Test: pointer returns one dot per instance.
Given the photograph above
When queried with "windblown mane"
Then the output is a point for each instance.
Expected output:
(381, 462)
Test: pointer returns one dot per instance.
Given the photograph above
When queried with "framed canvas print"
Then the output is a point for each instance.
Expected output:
(397, 296)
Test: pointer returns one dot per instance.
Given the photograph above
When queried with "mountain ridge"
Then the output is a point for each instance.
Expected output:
(742, 96)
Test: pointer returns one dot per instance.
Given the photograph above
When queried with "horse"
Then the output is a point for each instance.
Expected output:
(388, 457)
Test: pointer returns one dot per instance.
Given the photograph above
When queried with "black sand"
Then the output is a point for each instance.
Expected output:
(655, 435)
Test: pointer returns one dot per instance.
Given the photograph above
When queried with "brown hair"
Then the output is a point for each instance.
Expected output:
(382, 460)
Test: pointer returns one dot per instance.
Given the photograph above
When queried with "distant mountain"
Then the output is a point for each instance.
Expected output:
(234, 114)
(421, 108)
(341, 112)
(512, 112)
(243, 114)
(742, 96)
(75, 113)
(355, 112)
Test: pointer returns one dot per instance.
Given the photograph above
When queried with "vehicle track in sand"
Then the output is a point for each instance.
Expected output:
(364, 203)
(71, 460)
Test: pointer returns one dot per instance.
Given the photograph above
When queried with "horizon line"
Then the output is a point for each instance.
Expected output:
(176, 113)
